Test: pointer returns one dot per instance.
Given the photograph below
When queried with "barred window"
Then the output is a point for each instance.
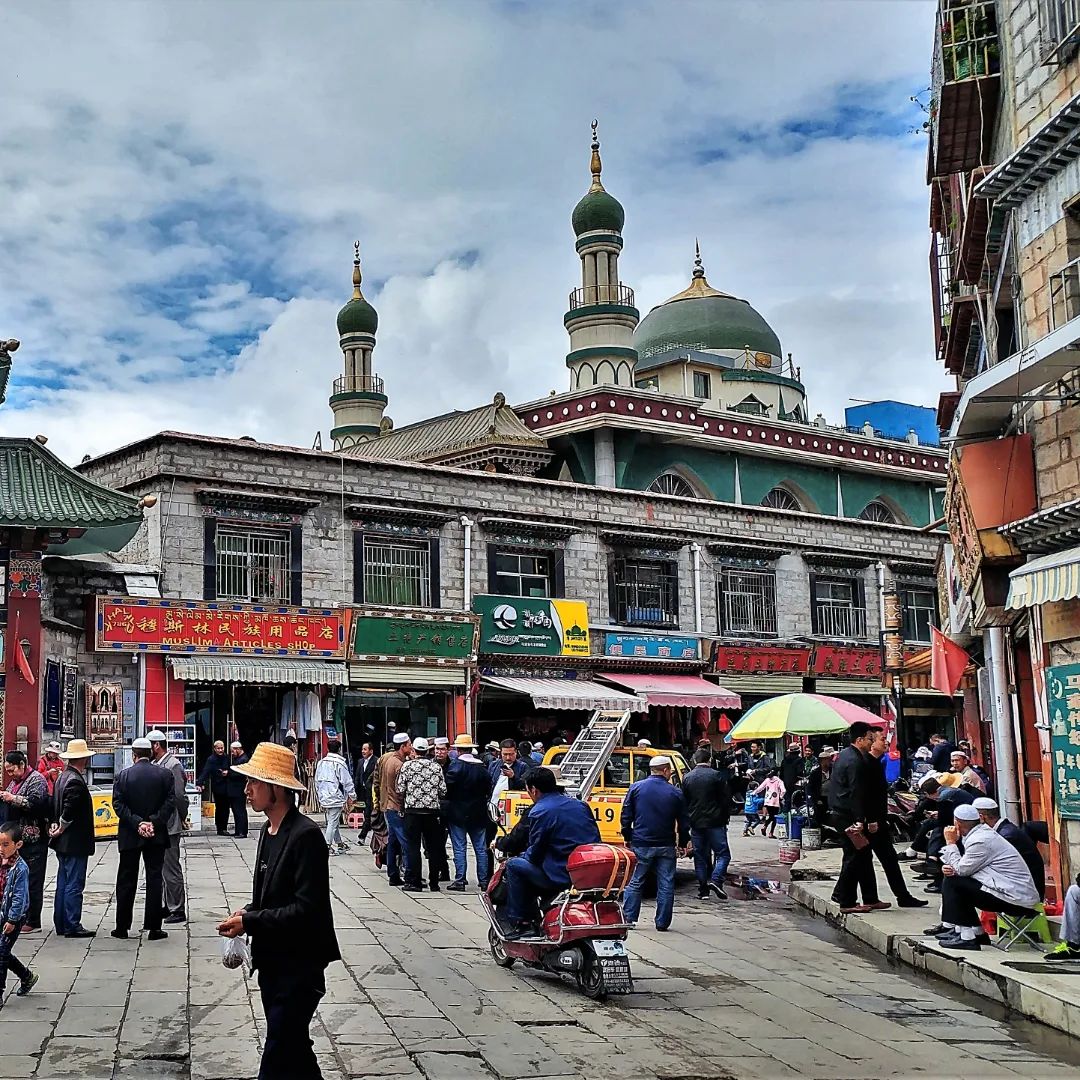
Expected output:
(838, 608)
(747, 601)
(1059, 29)
(645, 592)
(252, 565)
(397, 572)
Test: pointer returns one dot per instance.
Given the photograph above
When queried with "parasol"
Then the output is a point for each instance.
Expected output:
(799, 714)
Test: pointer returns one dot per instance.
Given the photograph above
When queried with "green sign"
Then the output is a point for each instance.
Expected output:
(1063, 702)
(532, 626)
(414, 638)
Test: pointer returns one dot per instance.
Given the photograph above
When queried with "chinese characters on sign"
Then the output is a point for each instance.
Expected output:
(447, 640)
(847, 662)
(237, 629)
(662, 646)
(740, 660)
(532, 626)
(1063, 700)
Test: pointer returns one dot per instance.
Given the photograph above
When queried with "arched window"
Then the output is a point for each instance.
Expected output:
(672, 484)
(876, 510)
(781, 499)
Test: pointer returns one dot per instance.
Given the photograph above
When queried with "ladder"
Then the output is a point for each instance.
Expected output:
(591, 750)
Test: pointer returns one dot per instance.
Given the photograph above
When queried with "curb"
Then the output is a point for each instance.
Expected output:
(1019, 992)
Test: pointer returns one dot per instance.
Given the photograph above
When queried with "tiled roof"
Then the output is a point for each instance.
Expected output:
(37, 490)
(494, 424)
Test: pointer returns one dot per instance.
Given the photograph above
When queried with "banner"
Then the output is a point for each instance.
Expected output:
(1063, 704)
(413, 638)
(659, 646)
(532, 626)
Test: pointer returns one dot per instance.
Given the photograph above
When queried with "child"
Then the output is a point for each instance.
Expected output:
(752, 809)
(14, 903)
(773, 790)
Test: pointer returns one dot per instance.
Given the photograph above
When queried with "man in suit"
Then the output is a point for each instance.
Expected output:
(234, 788)
(990, 815)
(173, 872)
(290, 919)
(363, 778)
(72, 838)
(143, 800)
(215, 772)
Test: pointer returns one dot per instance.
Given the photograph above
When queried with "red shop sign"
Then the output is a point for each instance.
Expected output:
(847, 662)
(186, 626)
(739, 660)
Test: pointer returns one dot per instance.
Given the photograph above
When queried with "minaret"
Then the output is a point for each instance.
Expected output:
(358, 401)
(602, 314)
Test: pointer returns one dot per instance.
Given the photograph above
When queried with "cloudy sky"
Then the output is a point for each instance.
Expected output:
(181, 184)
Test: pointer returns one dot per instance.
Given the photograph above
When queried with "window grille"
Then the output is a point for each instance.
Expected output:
(837, 607)
(747, 600)
(645, 593)
(397, 573)
(253, 565)
(672, 484)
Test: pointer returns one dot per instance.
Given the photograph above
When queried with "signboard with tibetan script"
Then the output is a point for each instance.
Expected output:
(847, 662)
(1063, 704)
(431, 639)
(195, 626)
(532, 626)
(658, 646)
(761, 659)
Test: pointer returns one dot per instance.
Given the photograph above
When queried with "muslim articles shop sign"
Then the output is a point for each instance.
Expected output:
(1063, 700)
(185, 626)
(427, 639)
(532, 626)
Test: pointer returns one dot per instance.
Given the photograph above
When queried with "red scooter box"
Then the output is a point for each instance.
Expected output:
(600, 866)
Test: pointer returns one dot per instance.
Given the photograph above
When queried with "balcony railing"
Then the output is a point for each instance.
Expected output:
(839, 621)
(1059, 33)
(602, 294)
(366, 384)
(1064, 294)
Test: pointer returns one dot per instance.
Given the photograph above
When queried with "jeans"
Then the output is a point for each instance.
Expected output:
(460, 837)
(68, 901)
(333, 826)
(289, 1000)
(710, 845)
(525, 883)
(397, 847)
(662, 860)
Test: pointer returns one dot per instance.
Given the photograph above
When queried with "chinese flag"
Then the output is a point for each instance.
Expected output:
(947, 662)
(20, 657)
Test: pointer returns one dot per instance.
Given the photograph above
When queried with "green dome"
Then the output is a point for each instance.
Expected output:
(701, 318)
(598, 210)
(357, 317)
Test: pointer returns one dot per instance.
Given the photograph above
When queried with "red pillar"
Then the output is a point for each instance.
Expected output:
(22, 699)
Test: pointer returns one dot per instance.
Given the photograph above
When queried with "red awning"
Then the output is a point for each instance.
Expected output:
(689, 690)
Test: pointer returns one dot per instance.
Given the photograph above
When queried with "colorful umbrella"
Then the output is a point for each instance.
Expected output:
(799, 714)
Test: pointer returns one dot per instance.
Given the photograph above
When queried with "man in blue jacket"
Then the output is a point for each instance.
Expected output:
(654, 820)
(557, 825)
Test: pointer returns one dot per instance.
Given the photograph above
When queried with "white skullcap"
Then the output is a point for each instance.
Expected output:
(401, 738)
(966, 813)
(659, 761)
(442, 740)
(644, 742)
(236, 745)
(157, 736)
(418, 744)
(140, 744)
(985, 804)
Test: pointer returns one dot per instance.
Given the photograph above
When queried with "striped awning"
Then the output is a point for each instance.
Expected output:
(1045, 579)
(259, 669)
(568, 693)
(690, 691)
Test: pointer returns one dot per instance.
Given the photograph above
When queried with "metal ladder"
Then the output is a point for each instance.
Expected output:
(591, 750)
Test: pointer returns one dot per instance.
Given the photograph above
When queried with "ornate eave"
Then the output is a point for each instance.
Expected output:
(508, 526)
(1046, 531)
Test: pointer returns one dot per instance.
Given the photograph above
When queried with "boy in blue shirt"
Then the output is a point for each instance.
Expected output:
(14, 904)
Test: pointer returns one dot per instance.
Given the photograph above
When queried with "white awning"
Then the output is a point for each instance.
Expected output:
(291, 671)
(568, 693)
(1045, 580)
(405, 677)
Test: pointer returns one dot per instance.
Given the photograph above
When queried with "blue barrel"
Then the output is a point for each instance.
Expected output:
(797, 822)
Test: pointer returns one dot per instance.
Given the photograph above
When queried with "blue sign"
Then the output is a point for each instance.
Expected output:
(654, 646)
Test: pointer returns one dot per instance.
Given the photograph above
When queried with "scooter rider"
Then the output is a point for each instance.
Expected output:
(557, 825)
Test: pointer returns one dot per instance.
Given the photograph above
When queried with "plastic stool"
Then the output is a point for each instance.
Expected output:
(1014, 928)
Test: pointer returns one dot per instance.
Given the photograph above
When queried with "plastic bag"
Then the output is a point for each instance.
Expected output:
(235, 953)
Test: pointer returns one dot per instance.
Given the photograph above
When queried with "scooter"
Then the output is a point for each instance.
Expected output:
(581, 935)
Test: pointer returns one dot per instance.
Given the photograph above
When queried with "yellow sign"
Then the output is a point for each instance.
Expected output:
(574, 624)
(106, 821)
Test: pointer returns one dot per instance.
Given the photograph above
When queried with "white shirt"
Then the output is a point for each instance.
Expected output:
(995, 864)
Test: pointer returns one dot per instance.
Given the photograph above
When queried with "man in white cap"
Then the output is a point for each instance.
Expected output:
(537, 755)
(990, 815)
(988, 876)
(173, 872)
(422, 787)
(71, 836)
(643, 744)
(388, 799)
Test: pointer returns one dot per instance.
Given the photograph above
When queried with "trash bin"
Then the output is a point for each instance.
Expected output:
(811, 838)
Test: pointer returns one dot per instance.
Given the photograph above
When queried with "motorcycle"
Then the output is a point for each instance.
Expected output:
(582, 930)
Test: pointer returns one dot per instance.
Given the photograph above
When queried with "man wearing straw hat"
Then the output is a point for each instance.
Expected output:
(290, 919)
(72, 838)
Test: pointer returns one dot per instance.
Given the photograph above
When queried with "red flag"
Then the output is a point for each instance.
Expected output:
(947, 662)
(20, 657)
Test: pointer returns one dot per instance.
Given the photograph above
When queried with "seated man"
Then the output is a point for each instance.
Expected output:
(930, 837)
(990, 815)
(988, 876)
(557, 825)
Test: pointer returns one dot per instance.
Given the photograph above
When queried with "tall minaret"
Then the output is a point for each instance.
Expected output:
(358, 401)
(602, 314)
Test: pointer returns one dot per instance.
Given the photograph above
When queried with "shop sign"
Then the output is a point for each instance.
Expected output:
(532, 626)
(1063, 703)
(186, 626)
(413, 638)
(847, 662)
(761, 659)
(1060, 620)
(654, 646)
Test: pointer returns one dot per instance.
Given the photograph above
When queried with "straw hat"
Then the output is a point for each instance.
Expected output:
(77, 749)
(465, 742)
(272, 764)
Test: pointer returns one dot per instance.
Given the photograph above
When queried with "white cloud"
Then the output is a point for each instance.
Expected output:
(180, 186)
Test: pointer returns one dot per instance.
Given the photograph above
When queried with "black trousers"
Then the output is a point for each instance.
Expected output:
(127, 883)
(856, 873)
(437, 856)
(962, 898)
(239, 813)
(882, 846)
(425, 828)
(221, 812)
(289, 1001)
(36, 857)
(369, 811)
(9, 961)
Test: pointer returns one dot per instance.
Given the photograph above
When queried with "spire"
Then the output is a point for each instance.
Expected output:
(595, 166)
(699, 286)
(699, 270)
(357, 277)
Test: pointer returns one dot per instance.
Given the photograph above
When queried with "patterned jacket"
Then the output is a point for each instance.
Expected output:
(422, 785)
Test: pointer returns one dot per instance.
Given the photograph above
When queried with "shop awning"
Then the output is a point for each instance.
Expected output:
(568, 693)
(1045, 579)
(404, 677)
(689, 690)
(259, 669)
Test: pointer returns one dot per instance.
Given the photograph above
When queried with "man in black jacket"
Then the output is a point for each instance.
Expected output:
(143, 800)
(72, 838)
(215, 772)
(708, 805)
(850, 786)
(941, 753)
(467, 790)
(363, 778)
(234, 788)
(791, 772)
(290, 919)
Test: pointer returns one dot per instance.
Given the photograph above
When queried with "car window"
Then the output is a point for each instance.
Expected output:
(617, 770)
(641, 767)
(556, 757)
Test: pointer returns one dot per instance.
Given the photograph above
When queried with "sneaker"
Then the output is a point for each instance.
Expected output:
(27, 985)
(718, 890)
(703, 894)
(456, 886)
(333, 852)
(1064, 951)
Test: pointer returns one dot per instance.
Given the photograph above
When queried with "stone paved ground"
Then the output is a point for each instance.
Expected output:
(743, 990)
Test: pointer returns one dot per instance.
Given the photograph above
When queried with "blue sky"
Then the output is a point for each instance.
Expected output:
(180, 187)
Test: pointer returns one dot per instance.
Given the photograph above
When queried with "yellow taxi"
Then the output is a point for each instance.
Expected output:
(627, 765)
